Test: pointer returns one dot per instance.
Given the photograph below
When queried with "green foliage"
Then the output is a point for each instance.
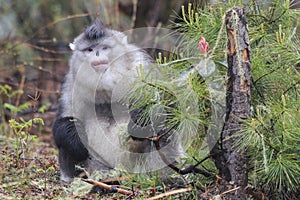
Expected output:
(22, 136)
(19, 127)
(208, 23)
(275, 126)
(165, 94)
(15, 109)
(272, 134)
(9, 92)
(44, 108)
(147, 185)
(45, 173)
(20, 168)
(183, 99)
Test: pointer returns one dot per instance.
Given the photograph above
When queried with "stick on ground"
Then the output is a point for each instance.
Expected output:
(108, 187)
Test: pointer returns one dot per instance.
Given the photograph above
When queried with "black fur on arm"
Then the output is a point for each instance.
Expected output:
(66, 137)
(136, 125)
(140, 127)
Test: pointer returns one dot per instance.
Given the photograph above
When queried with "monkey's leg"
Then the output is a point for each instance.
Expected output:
(67, 165)
(71, 149)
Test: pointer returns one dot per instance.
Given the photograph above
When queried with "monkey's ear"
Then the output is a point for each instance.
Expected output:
(72, 46)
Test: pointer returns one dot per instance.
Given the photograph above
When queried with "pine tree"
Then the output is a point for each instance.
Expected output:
(271, 135)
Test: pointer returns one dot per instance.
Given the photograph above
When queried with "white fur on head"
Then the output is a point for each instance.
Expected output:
(119, 36)
(72, 46)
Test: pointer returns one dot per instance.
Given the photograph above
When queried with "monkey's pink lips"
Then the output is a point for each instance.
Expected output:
(100, 65)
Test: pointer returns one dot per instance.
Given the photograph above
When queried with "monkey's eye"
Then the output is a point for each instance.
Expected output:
(105, 47)
(90, 49)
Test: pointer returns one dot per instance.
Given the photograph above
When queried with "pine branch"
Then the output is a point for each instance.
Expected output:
(186, 170)
(291, 87)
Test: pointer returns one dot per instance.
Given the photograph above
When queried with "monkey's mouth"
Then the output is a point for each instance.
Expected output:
(100, 66)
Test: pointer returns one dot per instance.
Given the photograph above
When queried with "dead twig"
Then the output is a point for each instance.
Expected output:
(133, 17)
(46, 50)
(228, 191)
(170, 193)
(232, 190)
(108, 187)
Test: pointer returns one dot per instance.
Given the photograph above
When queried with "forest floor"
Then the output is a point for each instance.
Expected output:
(34, 174)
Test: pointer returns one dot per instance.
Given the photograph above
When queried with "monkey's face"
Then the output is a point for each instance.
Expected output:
(97, 56)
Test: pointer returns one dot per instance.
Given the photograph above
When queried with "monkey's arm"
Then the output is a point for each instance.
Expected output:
(142, 125)
(71, 150)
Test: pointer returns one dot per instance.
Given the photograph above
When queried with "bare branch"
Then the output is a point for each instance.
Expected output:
(108, 187)
(170, 193)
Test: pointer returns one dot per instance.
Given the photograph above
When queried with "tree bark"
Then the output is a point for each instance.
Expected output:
(231, 160)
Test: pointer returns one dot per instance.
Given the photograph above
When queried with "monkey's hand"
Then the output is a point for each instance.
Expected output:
(142, 125)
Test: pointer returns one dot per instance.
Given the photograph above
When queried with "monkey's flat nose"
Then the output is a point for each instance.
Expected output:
(101, 65)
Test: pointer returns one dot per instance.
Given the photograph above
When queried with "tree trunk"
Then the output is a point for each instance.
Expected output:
(231, 160)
